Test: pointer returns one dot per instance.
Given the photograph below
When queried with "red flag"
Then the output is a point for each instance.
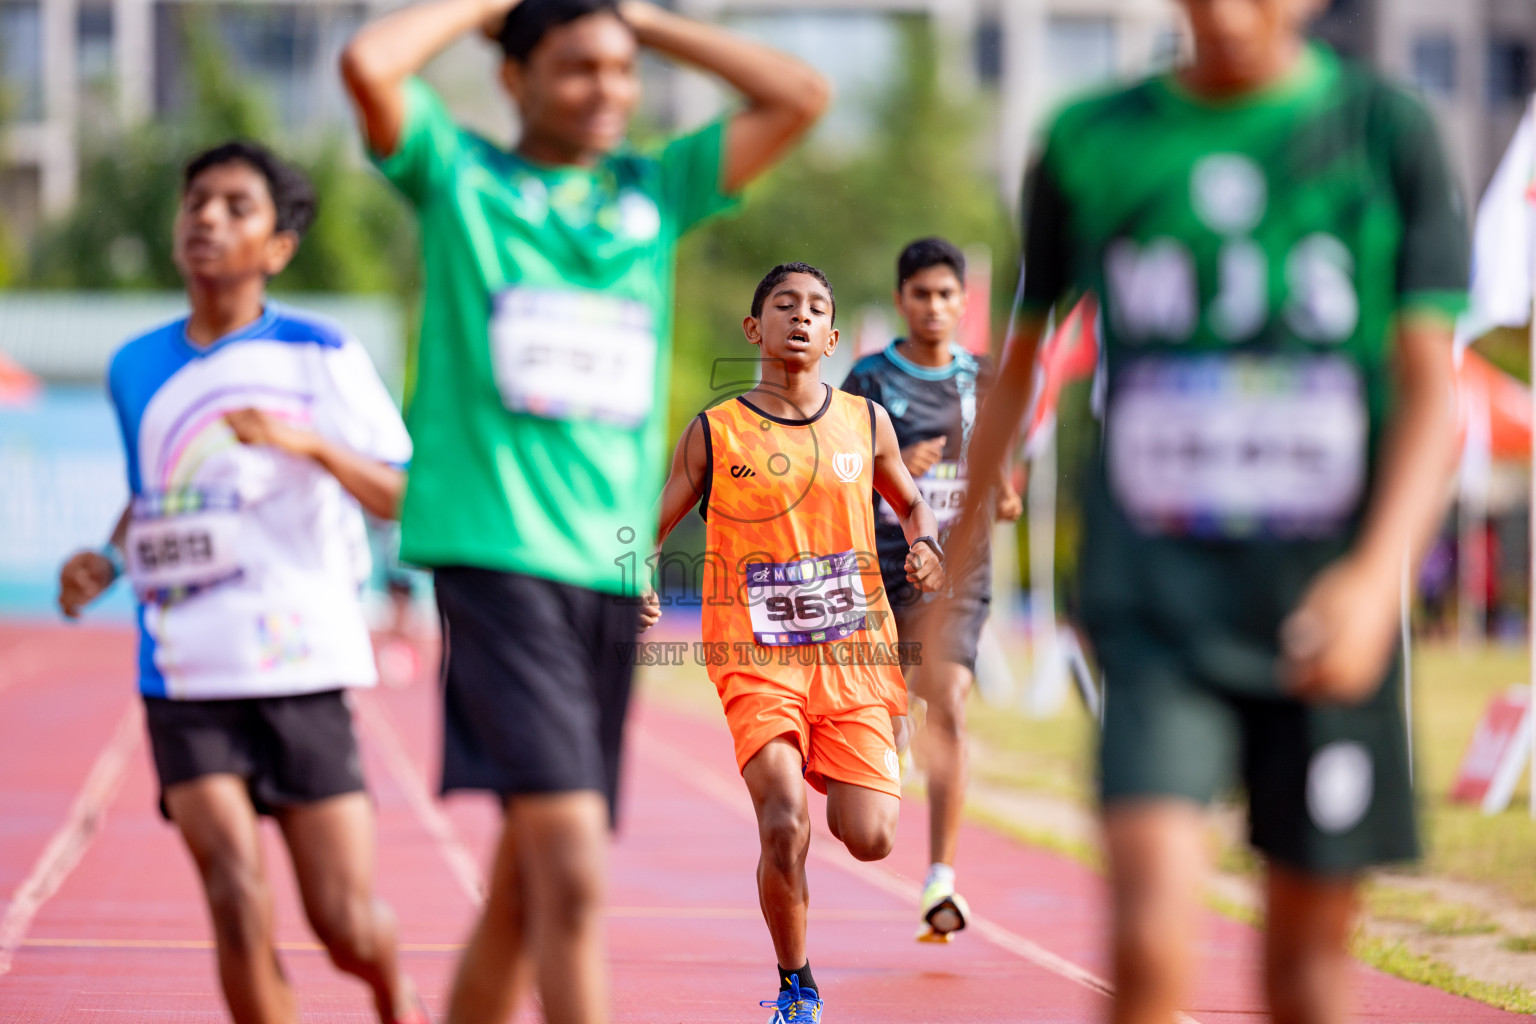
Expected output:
(1488, 392)
(975, 333)
(1070, 353)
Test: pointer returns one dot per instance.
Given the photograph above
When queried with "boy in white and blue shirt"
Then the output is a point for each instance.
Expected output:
(248, 558)
(255, 434)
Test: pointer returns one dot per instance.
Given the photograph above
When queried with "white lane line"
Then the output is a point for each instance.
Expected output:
(74, 836)
(709, 781)
(461, 862)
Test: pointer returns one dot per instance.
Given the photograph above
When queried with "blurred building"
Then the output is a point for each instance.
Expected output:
(71, 68)
(1470, 58)
(1019, 58)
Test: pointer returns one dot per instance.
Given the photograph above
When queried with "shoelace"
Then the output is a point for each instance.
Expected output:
(795, 999)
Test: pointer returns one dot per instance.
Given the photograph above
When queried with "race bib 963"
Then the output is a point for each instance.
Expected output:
(811, 601)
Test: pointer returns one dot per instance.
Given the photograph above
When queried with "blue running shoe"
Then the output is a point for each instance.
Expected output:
(795, 1005)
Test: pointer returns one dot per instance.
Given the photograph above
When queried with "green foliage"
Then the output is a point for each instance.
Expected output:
(847, 214)
(118, 234)
(1508, 348)
(1416, 906)
(9, 265)
(1397, 959)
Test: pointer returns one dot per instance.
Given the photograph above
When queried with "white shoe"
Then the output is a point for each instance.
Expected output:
(945, 912)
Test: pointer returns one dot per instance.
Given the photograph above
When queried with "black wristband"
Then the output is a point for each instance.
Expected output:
(925, 539)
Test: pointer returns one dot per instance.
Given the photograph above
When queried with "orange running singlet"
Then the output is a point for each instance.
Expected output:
(793, 602)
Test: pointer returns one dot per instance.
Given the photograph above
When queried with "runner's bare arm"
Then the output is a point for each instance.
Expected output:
(925, 567)
(88, 573)
(682, 491)
(1339, 640)
(384, 53)
(376, 485)
(784, 96)
(685, 481)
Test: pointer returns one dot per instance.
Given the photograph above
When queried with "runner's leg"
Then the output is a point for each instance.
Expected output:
(1157, 866)
(332, 843)
(220, 827)
(544, 909)
(563, 861)
(1306, 946)
(944, 685)
(863, 819)
(775, 778)
(496, 971)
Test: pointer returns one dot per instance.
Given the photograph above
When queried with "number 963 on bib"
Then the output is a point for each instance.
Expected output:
(811, 601)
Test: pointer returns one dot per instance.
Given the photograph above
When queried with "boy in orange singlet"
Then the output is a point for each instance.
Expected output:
(807, 666)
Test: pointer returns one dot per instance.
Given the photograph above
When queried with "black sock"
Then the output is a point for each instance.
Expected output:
(804, 973)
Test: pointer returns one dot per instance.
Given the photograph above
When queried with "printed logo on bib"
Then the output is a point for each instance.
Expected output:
(1238, 446)
(943, 488)
(182, 543)
(811, 601)
(569, 354)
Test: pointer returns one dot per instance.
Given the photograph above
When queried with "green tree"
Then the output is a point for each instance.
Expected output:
(7, 254)
(118, 234)
(918, 175)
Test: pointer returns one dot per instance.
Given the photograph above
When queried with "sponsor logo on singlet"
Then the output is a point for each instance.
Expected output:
(848, 466)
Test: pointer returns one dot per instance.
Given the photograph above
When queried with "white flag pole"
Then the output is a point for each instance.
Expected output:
(1531, 540)
(1531, 587)
(1047, 689)
(1407, 628)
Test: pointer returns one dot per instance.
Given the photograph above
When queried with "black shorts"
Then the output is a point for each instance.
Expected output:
(290, 751)
(536, 678)
(960, 642)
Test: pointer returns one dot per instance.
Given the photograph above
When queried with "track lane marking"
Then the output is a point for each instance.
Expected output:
(709, 781)
(613, 913)
(379, 727)
(74, 836)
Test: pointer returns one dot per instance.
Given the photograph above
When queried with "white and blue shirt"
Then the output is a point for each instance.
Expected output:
(248, 561)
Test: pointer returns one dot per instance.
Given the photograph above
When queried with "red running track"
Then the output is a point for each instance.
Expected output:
(103, 921)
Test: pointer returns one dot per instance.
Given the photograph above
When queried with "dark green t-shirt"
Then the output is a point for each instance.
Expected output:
(1251, 259)
(541, 390)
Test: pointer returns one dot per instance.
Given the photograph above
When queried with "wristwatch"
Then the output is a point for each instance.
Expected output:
(925, 539)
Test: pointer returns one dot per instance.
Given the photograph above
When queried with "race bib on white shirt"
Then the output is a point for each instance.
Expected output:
(181, 544)
(572, 354)
(1239, 446)
(812, 601)
(943, 488)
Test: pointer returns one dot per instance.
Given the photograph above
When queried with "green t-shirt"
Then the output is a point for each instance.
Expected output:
(1251, 259)
(538, 440)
